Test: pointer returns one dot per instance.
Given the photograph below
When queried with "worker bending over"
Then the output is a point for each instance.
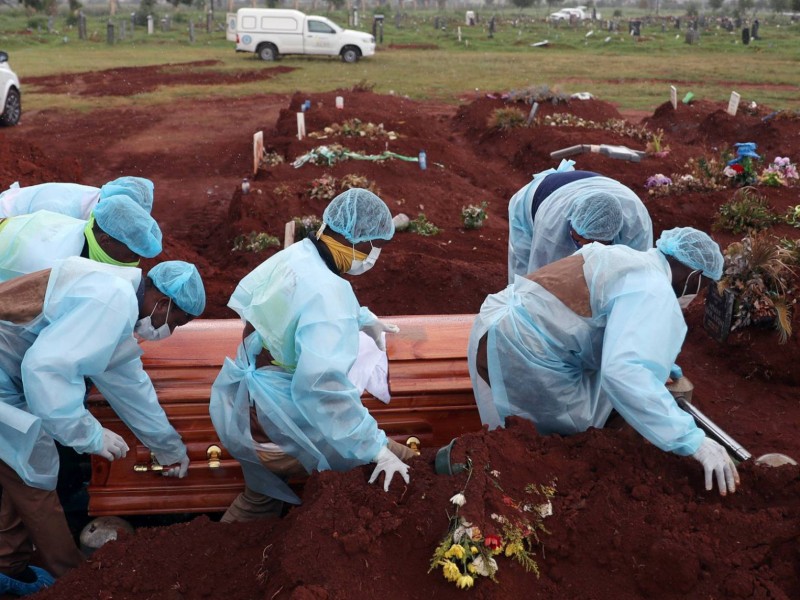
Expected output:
(596, 331)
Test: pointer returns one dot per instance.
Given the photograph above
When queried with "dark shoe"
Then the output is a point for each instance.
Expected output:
(9, 585)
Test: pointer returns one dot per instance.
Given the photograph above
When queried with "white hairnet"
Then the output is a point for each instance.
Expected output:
(182, 282)
(138, 189)
(359, 215)
(694, 249)
(124, 220)
(596, 216)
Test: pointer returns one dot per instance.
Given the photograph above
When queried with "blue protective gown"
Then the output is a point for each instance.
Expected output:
(566, 372)
(536, 242)
(85, 330)
(308, 319)
(70, 199)
(34, 242)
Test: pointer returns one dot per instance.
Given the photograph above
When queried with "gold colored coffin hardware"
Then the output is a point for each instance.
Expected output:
(214, 453)
(413, 443)
(153, 466)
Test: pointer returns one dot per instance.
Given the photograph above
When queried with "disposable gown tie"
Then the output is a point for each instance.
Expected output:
(230, 413)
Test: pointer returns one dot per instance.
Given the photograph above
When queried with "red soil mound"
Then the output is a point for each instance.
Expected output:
(629, 521)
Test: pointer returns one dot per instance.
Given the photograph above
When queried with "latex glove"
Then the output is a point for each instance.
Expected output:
(374, 330)
(180, 470)
(113, 446)
(388, 464)
(716, 461)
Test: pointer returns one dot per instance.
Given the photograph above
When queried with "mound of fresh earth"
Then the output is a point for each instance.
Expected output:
(629, 521)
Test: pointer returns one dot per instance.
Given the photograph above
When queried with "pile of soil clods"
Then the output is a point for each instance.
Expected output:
(629, 521)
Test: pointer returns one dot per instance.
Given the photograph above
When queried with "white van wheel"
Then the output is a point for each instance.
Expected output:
(350, 54)
(268, 52)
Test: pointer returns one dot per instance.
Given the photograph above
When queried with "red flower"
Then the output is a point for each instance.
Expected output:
(508, 501)
(493, 542)
(738, 168)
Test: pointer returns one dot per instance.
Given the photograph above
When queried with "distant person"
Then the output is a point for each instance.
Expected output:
(286, 405)
(73, 199)
(594, 332)
(59, 327)
(562, 209)
(119, 232)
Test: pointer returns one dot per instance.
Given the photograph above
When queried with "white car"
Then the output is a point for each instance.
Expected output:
(10, 100)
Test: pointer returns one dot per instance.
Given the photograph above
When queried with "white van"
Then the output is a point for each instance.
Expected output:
(271, 32)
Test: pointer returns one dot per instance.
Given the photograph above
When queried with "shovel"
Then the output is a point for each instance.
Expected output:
(681, 389)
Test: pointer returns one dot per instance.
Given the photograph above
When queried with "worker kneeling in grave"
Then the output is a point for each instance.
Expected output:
(286, 406)
(595, 332)
(562, 209)
(58, 327)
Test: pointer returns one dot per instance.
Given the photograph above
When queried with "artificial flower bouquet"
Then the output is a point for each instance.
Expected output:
(780, 172)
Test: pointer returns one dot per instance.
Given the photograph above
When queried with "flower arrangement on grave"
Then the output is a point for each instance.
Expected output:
(422, 226)
(254, 242)
(762, 273)
(473, 216)
(323, 188)
(655, 146)
(746, 211)
(354, 128)
(352, 180)
(741, 170)
(507, 118)
(616, 126)
(305, 225)
(469, 551)
(657, 184)
(780, 172)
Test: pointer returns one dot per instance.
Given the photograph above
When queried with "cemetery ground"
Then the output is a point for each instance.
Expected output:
(628, 520)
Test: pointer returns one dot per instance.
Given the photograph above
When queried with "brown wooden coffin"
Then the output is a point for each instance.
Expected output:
(429, 383)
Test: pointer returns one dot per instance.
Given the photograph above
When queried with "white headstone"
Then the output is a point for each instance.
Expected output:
(673, 97)
(459, 35)
(288, 234)
(149, 24)
(258, 150)
(340, 102)
(733, 104)
(301, 125)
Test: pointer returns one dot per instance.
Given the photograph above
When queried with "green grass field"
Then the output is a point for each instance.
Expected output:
(613, 66)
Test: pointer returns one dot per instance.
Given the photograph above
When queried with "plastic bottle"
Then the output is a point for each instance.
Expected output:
(423, 160)
(245, 186)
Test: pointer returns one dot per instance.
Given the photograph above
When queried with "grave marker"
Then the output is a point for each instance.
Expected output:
(673, 97)
(301, 125)
(258, 150)
(532, 114)
(733, 104)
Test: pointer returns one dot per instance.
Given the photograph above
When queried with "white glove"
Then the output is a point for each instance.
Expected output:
(715, 460)
(374, 330)
(389, 464)
(113, 446)
(180, 470)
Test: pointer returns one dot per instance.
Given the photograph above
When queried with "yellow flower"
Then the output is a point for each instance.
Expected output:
(473, 549)
(456, 550)
(471, 568)
(465, 581)
(513, 548)
(476, 534)
(450, 570)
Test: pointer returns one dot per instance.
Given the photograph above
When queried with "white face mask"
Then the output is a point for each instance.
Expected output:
(144, 327)
(684, 300)
(359, 267)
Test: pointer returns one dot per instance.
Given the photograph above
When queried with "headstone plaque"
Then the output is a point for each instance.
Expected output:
(719, 313)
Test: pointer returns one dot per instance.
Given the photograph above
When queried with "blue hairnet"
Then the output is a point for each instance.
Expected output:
(596, 216)
(124, 220)
(694, 249)
(182, 282)
(138, 189)
(359, 215)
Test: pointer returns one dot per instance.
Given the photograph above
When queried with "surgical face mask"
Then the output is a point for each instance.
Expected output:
(144, 327)
(684, 300)
(359, 267)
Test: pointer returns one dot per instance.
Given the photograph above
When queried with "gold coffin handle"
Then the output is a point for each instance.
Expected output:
(214, 453)
(153, 466)
(414, 443)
